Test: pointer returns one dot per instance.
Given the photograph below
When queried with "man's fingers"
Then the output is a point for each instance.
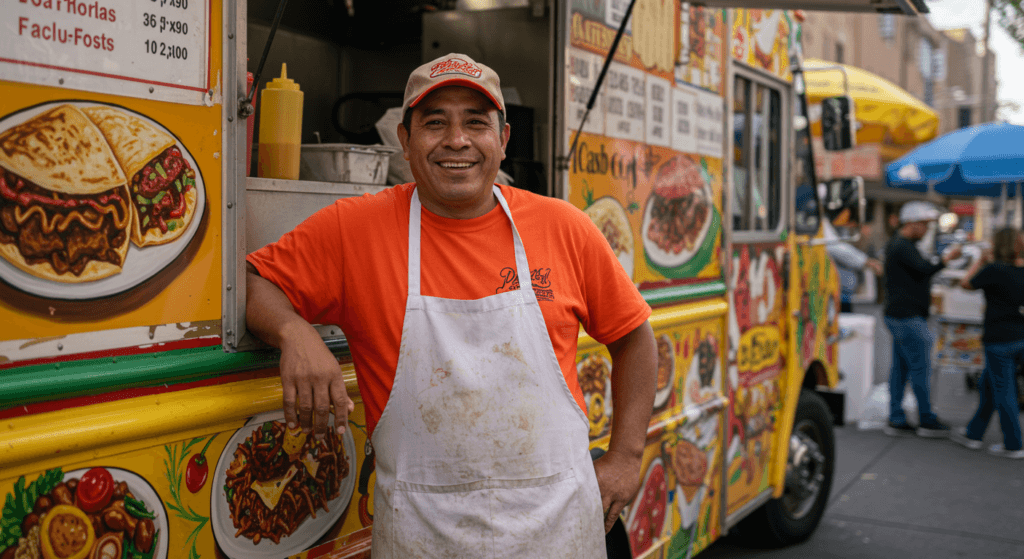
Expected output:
(343, 405)
(321, 407)
(290, 416)
(305, 406)
(611, 516)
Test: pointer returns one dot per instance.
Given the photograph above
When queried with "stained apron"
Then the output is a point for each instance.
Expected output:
(481, 450)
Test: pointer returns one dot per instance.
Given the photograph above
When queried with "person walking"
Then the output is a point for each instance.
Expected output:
(1000, 276)
(851, 263)
(461, 301)
(907, 298)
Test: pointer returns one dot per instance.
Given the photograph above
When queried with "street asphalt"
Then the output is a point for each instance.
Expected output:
(912, 498)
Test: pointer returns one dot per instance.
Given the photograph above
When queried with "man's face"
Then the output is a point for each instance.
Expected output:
(454, 148)
(916, 230)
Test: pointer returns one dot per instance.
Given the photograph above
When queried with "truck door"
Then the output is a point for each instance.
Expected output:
(757, 282)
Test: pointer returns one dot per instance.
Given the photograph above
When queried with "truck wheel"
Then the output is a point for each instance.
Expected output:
(793, 517)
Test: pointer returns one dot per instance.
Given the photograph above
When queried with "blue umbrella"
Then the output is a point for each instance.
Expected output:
(976, 161)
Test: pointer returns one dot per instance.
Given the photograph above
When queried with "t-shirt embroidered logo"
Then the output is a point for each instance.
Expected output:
(455, 66)
(539, 277)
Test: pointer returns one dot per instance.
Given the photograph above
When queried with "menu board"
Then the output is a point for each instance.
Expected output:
(648, 164)
(110, 194)
(150, 49)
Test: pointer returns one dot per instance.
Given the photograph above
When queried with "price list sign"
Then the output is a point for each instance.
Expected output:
(150, 49)
(626, 88)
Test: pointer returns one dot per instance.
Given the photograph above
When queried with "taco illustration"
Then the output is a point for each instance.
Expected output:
(161, 182)
(64, 202)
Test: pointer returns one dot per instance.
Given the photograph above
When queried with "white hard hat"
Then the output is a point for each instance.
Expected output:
(918, 210)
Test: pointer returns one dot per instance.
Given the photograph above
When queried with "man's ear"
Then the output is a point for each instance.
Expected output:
(505, 134)
(403, 138)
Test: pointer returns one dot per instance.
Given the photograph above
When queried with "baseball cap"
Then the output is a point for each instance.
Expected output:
(452, 70)
(918, 211)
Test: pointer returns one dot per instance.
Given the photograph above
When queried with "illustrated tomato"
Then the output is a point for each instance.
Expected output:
(95, 490)
(196, 472)
(198, 469)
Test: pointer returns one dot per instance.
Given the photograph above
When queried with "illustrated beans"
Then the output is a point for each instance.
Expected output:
(144, 535)
(43, 504)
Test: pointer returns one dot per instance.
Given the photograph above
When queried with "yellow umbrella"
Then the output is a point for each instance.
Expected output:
(887, 113)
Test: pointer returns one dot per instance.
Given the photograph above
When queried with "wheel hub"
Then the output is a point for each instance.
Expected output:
(805, 471)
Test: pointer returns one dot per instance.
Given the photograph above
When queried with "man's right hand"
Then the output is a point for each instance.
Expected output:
(312, 382)
(310, 374)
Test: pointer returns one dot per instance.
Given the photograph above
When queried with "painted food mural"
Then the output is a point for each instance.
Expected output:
(610, 217)
(666, 371)
(678, 216)
(648, 518)
(593, 372)
(277, 490)
(95, 513)
(94, 199)
(678, 212)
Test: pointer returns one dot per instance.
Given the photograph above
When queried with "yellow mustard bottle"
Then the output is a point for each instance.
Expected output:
(280, 128)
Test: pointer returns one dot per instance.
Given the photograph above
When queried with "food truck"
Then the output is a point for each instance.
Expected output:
(140, 420)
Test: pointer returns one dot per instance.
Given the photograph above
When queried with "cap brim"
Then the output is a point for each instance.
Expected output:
(458, 82)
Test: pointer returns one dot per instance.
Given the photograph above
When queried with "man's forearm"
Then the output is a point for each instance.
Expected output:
(269, 314)
(634, 378)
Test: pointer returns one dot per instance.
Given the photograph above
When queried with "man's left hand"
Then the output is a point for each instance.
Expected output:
(619, 480)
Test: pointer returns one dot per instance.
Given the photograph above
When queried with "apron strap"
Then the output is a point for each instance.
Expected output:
(522, 264)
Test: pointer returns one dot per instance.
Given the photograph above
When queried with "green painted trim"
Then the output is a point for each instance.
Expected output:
(675, 293)
(56, 381)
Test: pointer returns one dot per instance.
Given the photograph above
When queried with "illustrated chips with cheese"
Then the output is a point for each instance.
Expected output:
(281, 476)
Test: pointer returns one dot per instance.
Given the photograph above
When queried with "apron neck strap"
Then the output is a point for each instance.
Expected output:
(415, 212)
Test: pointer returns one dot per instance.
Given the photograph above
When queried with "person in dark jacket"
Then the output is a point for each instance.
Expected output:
(907, 298)
(1003, 337)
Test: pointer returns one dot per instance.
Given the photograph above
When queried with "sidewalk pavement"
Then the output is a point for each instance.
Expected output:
(913, 498)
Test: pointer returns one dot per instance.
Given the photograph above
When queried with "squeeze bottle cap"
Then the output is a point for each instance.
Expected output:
(283, 82)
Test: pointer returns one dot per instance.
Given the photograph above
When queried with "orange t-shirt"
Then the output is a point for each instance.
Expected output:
(348, 265)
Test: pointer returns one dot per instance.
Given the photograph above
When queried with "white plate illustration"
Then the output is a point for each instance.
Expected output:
(309, 530)
(143, 491)
(588, 397)
(662, 394)
(607, 209)
(140, 264)
(663, 257)
(631, 519)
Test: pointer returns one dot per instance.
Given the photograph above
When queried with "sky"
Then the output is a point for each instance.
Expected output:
(948, 14)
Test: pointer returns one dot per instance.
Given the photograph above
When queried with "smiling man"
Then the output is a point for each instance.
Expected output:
(461, 301)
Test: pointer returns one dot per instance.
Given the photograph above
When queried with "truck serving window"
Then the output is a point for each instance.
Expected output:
(758, 137)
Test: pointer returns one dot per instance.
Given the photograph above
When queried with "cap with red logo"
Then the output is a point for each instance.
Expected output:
(452, 70)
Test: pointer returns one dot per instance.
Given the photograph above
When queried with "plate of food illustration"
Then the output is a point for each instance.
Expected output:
(666, 371)
(701, 381)
(276, 491)
(593, 373)
(94, 199)
(89, 512)
(677, 217)
(610, 217)
(649, 516)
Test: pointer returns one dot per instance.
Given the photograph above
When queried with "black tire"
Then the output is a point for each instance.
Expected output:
(794, 516)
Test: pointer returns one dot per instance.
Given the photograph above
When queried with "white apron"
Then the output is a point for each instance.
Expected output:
(481, 449)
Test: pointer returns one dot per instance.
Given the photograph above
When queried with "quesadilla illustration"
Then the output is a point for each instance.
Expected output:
(64, 202)
(161, 181)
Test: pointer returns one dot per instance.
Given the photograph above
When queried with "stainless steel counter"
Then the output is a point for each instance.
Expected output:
(275, 206)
